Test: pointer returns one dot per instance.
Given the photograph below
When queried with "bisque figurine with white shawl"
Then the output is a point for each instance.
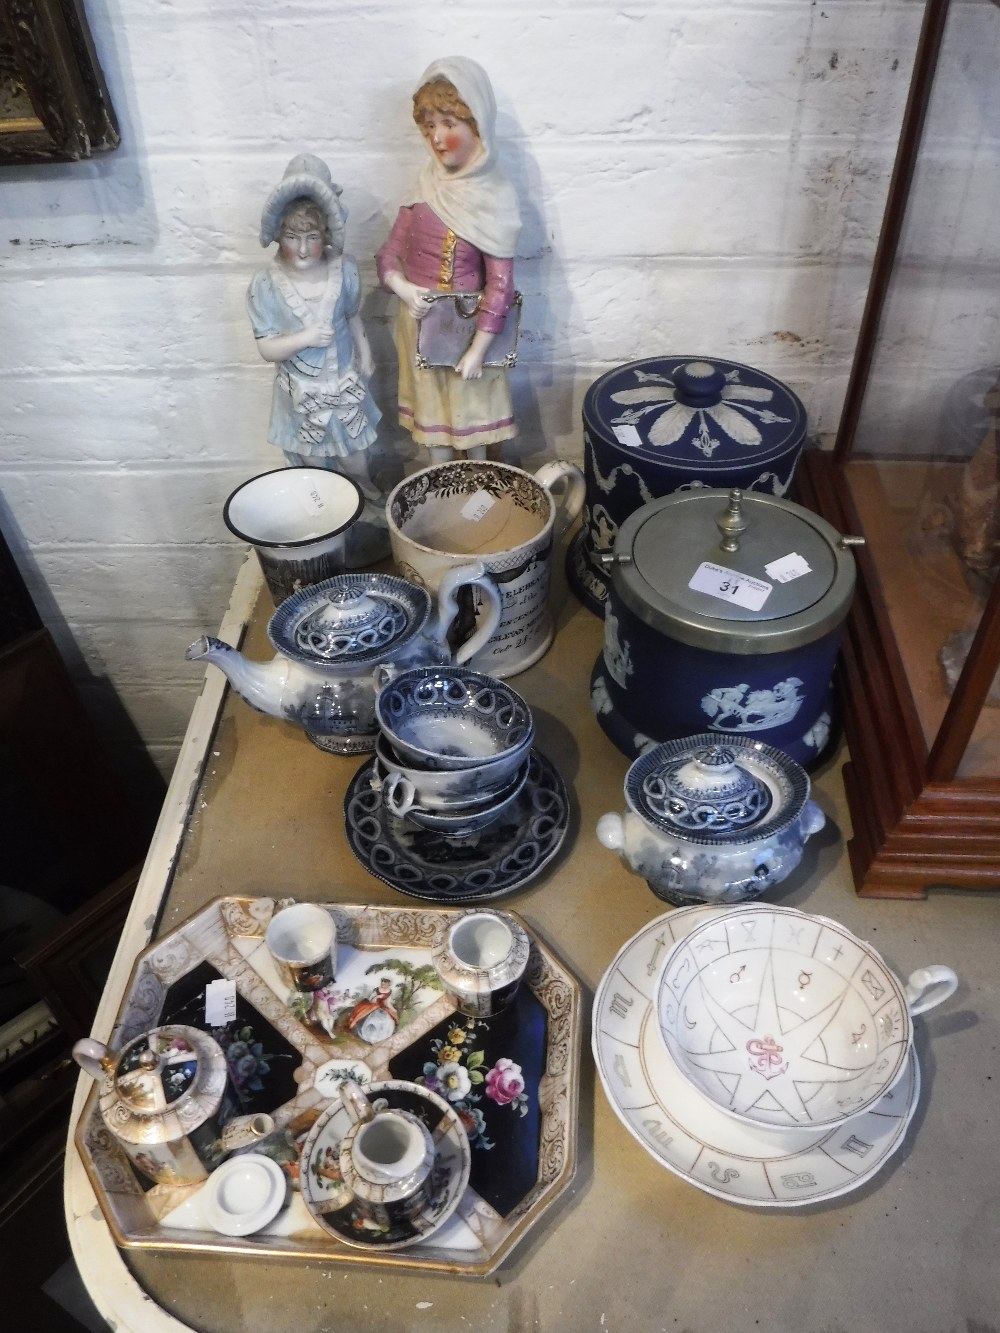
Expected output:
(456, 231)
(304, 309)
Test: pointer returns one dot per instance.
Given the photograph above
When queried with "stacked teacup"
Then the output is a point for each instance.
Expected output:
(453, 749)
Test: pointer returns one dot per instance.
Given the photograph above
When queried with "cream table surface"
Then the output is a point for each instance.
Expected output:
(255, 809)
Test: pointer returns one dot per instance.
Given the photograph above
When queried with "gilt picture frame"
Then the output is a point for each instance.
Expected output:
(54, 103)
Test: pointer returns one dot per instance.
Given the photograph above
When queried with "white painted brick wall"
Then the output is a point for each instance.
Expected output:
(704, 177)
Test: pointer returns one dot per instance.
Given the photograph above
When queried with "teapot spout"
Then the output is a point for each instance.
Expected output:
(260, 684)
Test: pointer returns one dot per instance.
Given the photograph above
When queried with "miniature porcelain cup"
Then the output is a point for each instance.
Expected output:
(787, 1021)
(506, 517)
(385, 1157)
(452, 718)
(296, 519)
(302, 940)
(481, 957)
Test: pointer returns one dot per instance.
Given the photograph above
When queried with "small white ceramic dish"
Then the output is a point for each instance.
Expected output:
(680, 1129)
(244, 1194)
(786, 1020)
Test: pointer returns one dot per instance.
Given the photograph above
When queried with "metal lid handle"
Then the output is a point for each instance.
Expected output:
(731, 522)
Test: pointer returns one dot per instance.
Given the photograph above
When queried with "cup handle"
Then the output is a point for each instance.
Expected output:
(928, 987)
(398, 792)
(569, 497)
(359, 1108)
(93, 1057)
(486, 622)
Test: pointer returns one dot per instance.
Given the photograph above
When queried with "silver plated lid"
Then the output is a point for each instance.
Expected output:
(672, 557)
(717, 788)
(349, 620)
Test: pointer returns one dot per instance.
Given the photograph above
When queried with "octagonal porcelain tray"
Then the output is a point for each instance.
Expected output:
(683, 1131)
(511, 1081)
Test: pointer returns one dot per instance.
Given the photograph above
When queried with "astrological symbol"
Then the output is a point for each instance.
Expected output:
(794, 934)
(873, 985)
(620, 1070)
(687, 1021)
(656, 1131)
(659, 945)
(798, 1180)
(857, 1146)
(621, 1004)
(805, 978)
(856, 1036)
(838, 951)
(738, 974)
(723, 1175)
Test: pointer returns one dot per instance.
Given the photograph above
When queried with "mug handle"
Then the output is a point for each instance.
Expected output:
(486, 623)
(928, 987)
(568, 498)
(358, 1107)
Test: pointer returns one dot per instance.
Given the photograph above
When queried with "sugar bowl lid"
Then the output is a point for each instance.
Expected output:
(733, 571)
(695, 414)
(348, 620)
(716, 788)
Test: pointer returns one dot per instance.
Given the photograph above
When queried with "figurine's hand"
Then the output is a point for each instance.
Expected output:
(417, 300)
(470, 367)
(365, 363)
(315, 335)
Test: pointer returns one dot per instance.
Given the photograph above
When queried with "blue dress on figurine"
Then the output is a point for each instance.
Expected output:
(320, 406)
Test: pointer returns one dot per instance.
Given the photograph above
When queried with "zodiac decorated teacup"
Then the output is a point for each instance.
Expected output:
(787, 1021)
(507, 518)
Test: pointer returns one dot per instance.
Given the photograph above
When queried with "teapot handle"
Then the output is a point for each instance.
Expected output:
(568, 498)
(93, 1057)
(486, 622)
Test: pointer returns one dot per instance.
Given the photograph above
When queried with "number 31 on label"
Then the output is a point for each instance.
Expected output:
(729, 586)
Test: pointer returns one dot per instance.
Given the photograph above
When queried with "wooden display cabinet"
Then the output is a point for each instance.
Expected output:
(916, 470)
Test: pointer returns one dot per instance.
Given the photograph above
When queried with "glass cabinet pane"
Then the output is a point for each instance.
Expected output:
(924, 471)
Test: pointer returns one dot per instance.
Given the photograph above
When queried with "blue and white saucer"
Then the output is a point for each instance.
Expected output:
(439, 868)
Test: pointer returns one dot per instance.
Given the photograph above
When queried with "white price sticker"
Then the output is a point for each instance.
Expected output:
(220, 1003)
(478, 507)
(628, 435)
(791, 566)
(729, 586)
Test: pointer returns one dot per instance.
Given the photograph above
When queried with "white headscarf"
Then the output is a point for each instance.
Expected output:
(478, 203)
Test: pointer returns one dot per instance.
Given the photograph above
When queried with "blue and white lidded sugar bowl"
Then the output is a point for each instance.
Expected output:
(713, 819)
(672, 423)
(724, 613)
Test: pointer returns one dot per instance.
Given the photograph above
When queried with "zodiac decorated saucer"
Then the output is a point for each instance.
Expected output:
(686, 1133)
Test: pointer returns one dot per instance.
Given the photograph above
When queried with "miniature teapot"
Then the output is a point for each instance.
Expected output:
(713, 818)
(331, 637)
(164, 1097)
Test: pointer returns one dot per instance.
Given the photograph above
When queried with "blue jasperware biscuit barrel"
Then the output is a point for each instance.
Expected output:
(674, 423)
(724, 613)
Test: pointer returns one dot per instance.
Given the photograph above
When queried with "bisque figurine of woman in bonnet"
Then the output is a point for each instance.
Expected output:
(456, 231)
(304, 309)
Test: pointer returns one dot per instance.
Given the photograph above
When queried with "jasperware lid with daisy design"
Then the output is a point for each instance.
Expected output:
(696, 415)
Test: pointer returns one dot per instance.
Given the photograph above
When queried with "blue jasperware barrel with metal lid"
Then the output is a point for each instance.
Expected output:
(724, 613)
(675, 423)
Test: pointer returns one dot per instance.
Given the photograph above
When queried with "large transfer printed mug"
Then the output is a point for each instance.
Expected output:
(509, 519)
